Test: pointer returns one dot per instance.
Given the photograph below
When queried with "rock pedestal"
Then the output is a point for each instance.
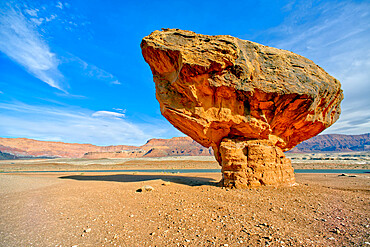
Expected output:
(253, 163)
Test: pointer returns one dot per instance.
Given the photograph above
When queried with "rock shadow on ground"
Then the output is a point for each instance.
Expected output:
(129, 178)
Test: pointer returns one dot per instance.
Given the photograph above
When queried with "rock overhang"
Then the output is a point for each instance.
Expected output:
(212, 87)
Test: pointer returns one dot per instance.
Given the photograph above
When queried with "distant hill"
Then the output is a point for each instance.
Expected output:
(177, 146)
(29, 147)
(335, 143)
(13, 148)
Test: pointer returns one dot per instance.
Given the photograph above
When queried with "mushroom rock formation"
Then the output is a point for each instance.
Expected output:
(249, 102)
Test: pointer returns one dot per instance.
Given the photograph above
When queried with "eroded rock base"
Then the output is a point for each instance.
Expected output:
(253, 163)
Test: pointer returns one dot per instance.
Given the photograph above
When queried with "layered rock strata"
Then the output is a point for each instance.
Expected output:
(252, 163)
(220, 90)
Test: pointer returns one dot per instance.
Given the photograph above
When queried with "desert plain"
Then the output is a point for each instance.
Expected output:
(68, 206)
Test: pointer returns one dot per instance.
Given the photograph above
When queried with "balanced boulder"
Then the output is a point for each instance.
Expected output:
(249, 102)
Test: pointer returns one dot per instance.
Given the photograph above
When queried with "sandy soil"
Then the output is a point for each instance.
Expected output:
(102, 209)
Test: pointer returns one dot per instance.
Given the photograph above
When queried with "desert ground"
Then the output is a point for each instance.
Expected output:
(352, 160)
(186, 209)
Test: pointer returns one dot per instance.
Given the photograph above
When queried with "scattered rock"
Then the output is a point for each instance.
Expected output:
(336, 230)
(87, 230)
(166, 183)
(145, 188)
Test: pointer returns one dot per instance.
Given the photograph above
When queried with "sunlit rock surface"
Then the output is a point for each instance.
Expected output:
(233, 94)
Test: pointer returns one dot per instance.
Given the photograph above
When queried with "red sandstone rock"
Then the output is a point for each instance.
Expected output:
(177, 146)
(220, 88)
(24, 146)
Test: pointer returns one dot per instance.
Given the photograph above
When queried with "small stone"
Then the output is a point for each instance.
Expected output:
(166, 183)
(187, 240)
(152, 233)
(226, 245)
(145, 188)
(343, 175)
(131, 215)
(87, 230)
(331, 238)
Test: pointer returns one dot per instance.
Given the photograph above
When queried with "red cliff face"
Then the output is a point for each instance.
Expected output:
(24, 147)
(177, 146)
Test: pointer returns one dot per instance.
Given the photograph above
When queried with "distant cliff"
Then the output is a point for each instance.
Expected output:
(29, 147)
(335, 143)
(177, 146)
(13, 148)
(23, 147)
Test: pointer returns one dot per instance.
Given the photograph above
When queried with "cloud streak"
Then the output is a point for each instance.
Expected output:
(108, 114)
(72, 124)
(335, 35)
(92, 71)
(21, 42)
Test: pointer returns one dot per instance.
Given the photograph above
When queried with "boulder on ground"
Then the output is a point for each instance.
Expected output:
(249, 102)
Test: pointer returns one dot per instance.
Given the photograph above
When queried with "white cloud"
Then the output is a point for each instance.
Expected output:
(21, 42)
(108, 114)
(116, 82)
(91, 70)
(59, 5)
(335, 35)
(37, 21)
(32, 12)
(71, 124)
(120, 110)
(52, 17)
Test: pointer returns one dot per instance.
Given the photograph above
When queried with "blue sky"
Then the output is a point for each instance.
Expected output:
(73, 71)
